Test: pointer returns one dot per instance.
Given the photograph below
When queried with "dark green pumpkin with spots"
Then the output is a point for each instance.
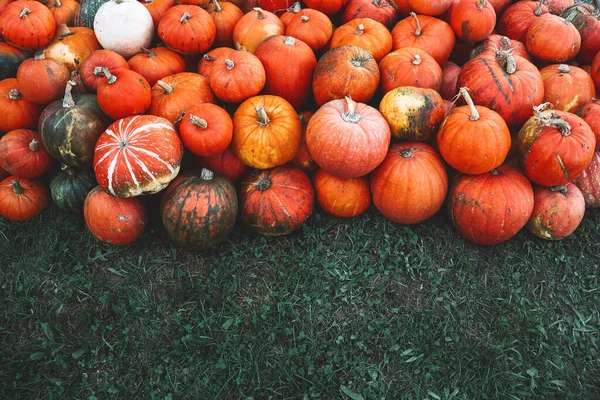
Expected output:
(69, 188)
(87, 12)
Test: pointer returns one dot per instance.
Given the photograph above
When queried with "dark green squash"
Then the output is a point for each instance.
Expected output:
(71, 127)
(69, 188)
(199, 209)
(10, 59)
(87, 12)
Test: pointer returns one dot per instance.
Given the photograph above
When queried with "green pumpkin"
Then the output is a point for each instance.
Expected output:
(69, 188)
(87, 12)
(10, 59)
(70, 128)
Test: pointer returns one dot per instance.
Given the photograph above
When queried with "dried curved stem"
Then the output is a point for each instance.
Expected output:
(34, 145)
(103, 71)
(26, 11)
(419, 30)
(350, 115)
(68, 98)
(464, 92)
(17, 188)
(206, 174)
(263, 118)
(168, 89)
(199, 122)
(14, 94)
(260, 13)
(185, 17)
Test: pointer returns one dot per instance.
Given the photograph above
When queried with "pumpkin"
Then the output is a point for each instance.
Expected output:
(303, 159)
(266, 132)
(114, 220)
(517, 18)
(413, 113)
(208, 59)
(274, 5)
(589, 182)
(124, 26)
(473, 139)
(290, 12)
(199, 210)
(345, 71)
(365, 33)
(64, 11)
(312, 27)
(557, 211)
(591, 114)
(378, 10)
(175, 94)
(555, 147)
(490, 208)
(16, 112)
(27, 25)
(595, 71)
(504, 83)
(558, 6)
(3, 4)
(342, 198)
(157, 63)
(22, 154)
(72, 46)
(157, 9)
(473, 20)
(69, 188)
(276, 201)
(70, 127)
(225, 163)
(327, 7)
(541, 42)
(187, 30)
(123, 95)
(255, 27)
(500, 5)
(87, 12)
(411, 183)
(495, 43)
(10, 59)
(584, 18)
(433, 35)
(21, 198)
(41, 79)
(347, 139)
(409, 67)
(237, 76)
(206, 129)
(450, 72)
(430, 7)
(226, 17)
(91, 67)
(401, 6)
(567, 88)
(137, 155)
(291, 80)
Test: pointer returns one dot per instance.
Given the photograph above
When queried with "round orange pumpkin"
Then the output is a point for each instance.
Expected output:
(409, 67)
(64, 11)
(16, 112)
(517, 18)
(327, 7)
(591, 114)
(91, 67)
(187, 29)
(430, 7)
(206, 129)
(22, 154)
(541, 42)
(226, 17)
(366, 33)
(226, 163)
(21, 198)
(379, 10)
(566, 87)
(157, 63)
(41, 79)
(473, 20)
(255, 27)
(27, 25)
(124, 95)
(71, 46)
(237, 76)
(340, 197)
(312, 27)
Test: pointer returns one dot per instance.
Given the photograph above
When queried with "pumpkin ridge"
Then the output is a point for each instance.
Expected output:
(496, 80)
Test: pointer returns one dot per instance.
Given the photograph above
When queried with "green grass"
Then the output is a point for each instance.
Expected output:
(341, 309)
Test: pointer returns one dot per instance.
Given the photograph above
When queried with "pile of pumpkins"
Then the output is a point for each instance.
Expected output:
(253, 109)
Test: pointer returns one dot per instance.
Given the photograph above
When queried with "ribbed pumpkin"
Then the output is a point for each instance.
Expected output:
(70, 128)
(226, 163)
(114, 220)
(157, 9)
(555, 147)
(41, 79)
(342, 198)
(589, 182)
(199, 210)
(591, 114)
(226, 17)
(495, 43)
(473, 20)
(411, 183)
(254, 27)
(206, 129)
(557, 211)
(22, 154)
(10, 59)
(157, 63)
(584, 18)
(91, 67)
(413, 113)
(366, 33)
(541, 42)
(187, 30)
(237, 76)
(312, 27)
(266, 132)
(379, 10)
(207, 60)
(69, 187)
(28, 25)
(137, 155)
(276, 201)
(16, 112)
(347, 139)
(21, 198)
(490, 208)
(450, 72)
(289, 13)
(430, 7)
(71, 46)
(124, 94)
(517, 18)
(566, 87)
(64, 11)
(409, 66)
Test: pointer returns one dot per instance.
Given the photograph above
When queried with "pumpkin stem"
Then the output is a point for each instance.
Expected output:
(39, 55)
(65, 31)
(149, 52)
(564, 69)
(406, 153)
(26, 11)
(217, 6)
(260, 12)
(481, 4)
(360, 29)
(304, 18)
(168, 89)
(103, 71)
(464, 92)
(263, 118)
(290, 41)
(68, 98)
(229, 63)
(351, 115)
(185, 17)
(377, 3)
(199, 122)
(507, 61)
(504, 43)
(494, 172)
(208, 57)
(206, 174)
(562, 189)
(562, 125)
(302, 120)
(263, 184)
(34, 145)
(419, 30)
(295, 8)
(416, 60)
(57, 3)
(538, 10)
(14, 94)
(17, 188)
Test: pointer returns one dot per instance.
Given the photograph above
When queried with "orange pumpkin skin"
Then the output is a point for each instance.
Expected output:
(473, 20)
(557, 211)
(409, 67)
(129, 94)
(226, 17)
(595, 71)
(266, 132)
(255, 27)
(366, 33)
(157, 9)
(558, 6)
(589, 182)
(22, 154)
(157, 63)
(430, 7)
(433, 35)
(347, 139)
(555, 147)
(490, 208)
(113, 220)
(16, 112)
(379, 10)
(291, 80)
(108, 59)
(585, 19)
(208, 60)
(225, 163)
(64, 11)
(500, 5)
(21, 198)
(42, 80)
(411, 183)
(3, 4)
(276, 201)
(541, 42)
(566, 87)
(303, 159)
(27, 25)
(312, 27)
(495, 43)
(187, 29)
(345, 71)
(517, 18)
(450, 72)
(591, 114)
(473, 139)
(3, 174)
(237, 77)
(327, 7)
(342, 198)
(206, 129)
(71, 46)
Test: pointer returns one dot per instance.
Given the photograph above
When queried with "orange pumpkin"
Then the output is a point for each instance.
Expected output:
(41, 79)
(473, 20)
(430, 7)
(255, 27)
(22, 154)
(91, 67)
(591, 114)
(450, 72)
(123, 95)
(64, 11)
(517, 18)
(366, 33)
(21, 198)
(566, 87)
(226, 163)
(290, 12)
(237, 77)
(157, 9)
(409, 67)
(226, 17)
(541, 42)
(27, 25)
(495, 43)
(72, 46)
(206, 130)
(312, 27)
(303, 158)
(187, 29)
(16, 112)
(342, 198)
(208, 59)
(157, 63)
(379, 10)
(327, 7)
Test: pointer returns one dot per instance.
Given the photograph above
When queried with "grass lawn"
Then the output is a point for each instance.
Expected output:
(340, 310)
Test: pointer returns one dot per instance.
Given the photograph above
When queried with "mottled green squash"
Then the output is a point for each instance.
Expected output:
(71, 127)
(10, 59)
(69, 188)
(87, 12)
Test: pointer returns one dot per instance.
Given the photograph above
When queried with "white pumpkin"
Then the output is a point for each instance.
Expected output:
(124, 26)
